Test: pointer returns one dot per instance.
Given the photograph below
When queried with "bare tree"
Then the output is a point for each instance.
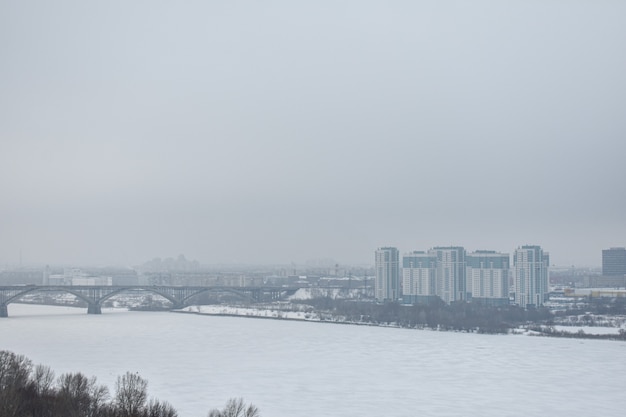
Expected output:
(40, 392)
(15, 373)
(79, 396)
(131, 394)
(14, 370)
(160, 409)
(43, 380)
(235, 407)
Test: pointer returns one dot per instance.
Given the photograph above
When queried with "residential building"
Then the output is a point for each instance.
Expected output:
(614, 262)
(487, 274)
(530, 273)
(387, 286)
(419, 271)
(450, 274)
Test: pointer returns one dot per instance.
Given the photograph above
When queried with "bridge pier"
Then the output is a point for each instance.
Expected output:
(94, 308)
(4, 312)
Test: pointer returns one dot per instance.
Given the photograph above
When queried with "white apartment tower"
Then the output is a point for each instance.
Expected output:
(450, 275)
(387, 286)
(418, 277)
(487, 276)
(530, 273)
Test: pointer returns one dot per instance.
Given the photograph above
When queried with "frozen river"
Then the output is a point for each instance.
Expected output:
(297, 369)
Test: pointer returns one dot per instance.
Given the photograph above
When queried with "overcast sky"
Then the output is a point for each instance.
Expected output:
(281, 131)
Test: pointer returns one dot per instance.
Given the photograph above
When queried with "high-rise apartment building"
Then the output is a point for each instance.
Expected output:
(387, 286)
(487, 275)
(614, 262)
(450, 273)
(418, 277)
(530, 273)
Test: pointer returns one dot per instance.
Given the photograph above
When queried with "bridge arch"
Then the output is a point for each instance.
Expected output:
(11, 295)
(242, 294)
(65, 289)
(94, 296)
(154, 290)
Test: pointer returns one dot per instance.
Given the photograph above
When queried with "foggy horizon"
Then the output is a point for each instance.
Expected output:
(309, 262)
(270, 133)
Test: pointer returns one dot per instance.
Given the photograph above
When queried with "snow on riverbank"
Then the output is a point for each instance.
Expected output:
(273, 313)
(306, 314)
(251, 312)
(567, 331)
(334, 293)
(588, 329)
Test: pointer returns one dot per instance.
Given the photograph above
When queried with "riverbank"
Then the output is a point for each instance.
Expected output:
(269, 314)
(574, 332)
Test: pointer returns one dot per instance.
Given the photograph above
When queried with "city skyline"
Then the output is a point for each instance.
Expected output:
(328, 261)
(451, 274)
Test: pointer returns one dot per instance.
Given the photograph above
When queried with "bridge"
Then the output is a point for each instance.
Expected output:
(95, 295)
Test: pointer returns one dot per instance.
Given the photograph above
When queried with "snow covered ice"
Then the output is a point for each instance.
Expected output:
(294, 368)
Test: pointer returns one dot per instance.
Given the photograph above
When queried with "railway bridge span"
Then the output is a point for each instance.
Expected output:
(95, 295)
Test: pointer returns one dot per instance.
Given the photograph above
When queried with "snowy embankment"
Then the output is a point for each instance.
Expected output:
(226, 310)
(334, 293)
(281, 312)
(567, 331)
(588, 329)
(591, 320)
(589, 324)
(274, 313)
(583, 326)
(285, 310)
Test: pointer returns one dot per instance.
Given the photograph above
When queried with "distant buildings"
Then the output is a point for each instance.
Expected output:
(76, 276)
(439, 272)
(419, 271)
(614, 262)
(488, 277)
(450, 277)
(451, 274)
(530, 274)
(387, 285)
(613, 270)
(21, 276)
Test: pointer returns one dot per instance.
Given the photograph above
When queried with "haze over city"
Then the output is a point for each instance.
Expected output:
(276, 132)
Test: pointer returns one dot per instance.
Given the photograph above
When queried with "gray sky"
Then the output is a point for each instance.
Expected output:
(280, 131)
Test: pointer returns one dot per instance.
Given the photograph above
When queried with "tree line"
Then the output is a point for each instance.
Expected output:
(27, 390)
(460, 316)
(465, 316)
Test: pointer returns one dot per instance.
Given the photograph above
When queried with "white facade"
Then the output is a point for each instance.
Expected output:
(530, 273)
(387, 286)
(418, 274)
(488, 283)
(450, 275)
(487, 274)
